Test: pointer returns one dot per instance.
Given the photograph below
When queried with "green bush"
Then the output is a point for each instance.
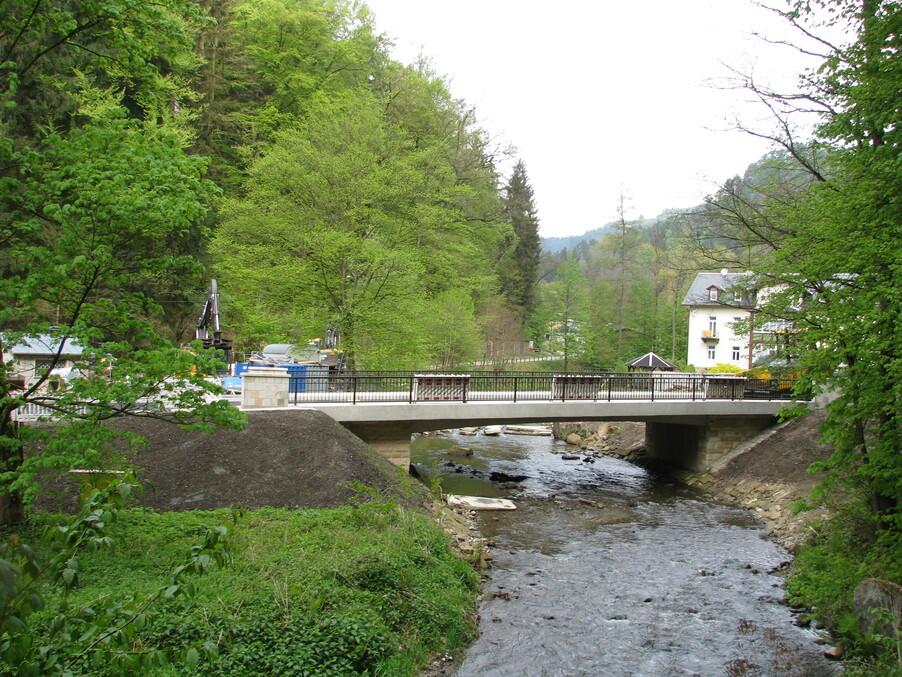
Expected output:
(367, 589)
(723, 368)
(327, 646)
(825, 573)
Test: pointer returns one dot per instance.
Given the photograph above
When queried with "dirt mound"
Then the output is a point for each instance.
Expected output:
(784, 456)
(298, 458)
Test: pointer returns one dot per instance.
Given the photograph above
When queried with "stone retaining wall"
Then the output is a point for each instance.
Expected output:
(771, 502)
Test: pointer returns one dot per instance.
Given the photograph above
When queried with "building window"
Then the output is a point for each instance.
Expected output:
(42, 365)
(711, 353)
(712, 325)
(713, 293)
(735, 352)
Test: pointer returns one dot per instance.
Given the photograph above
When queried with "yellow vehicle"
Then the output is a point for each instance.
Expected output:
(773, 371)
(767, 380)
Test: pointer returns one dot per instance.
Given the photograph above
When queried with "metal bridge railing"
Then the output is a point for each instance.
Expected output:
(406, 387)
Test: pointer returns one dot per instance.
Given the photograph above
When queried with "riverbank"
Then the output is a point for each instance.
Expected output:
(766, 478)
(338, 556)
(771, 476)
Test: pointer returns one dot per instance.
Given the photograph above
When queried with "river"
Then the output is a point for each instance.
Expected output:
(605, 569)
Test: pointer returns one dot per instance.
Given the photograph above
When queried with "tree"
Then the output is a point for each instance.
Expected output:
(328, 231)
(96, 213)
(279, 73)
(49, 51)
(520, 272)
(63, 61)
(452, 333)
(836, 262)
(365, 212)
(98, 201)
(501, 329)
(741, 221)
(618, 306)
(262, 62)
(565, 298)
(468, 237)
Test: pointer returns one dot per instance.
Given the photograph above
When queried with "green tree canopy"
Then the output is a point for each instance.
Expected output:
(100, 202)
(836, 261)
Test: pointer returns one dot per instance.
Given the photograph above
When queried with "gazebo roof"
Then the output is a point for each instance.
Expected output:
(651, 361)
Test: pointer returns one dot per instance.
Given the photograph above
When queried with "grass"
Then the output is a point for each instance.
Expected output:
(366, 589)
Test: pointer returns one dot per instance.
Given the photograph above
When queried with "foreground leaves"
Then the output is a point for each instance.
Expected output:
(107, 630)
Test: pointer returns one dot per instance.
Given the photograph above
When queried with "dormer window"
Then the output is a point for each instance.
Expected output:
(713, 293)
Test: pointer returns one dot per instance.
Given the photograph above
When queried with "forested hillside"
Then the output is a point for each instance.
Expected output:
(326, 186)
(335, 189)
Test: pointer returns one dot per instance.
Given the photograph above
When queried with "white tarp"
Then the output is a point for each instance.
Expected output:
(480, 503)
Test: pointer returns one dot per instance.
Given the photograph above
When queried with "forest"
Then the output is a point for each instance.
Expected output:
(327, 187)
(276, 146)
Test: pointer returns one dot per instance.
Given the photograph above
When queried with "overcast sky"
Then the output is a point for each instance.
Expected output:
(599, 97)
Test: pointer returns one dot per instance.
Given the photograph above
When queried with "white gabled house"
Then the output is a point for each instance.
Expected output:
(717, 301)
(31, 357)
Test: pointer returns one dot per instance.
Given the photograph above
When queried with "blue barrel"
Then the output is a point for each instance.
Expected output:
(297, 383)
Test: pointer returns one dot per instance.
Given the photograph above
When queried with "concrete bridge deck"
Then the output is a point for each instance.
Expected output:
(423, 416)
(691, 420)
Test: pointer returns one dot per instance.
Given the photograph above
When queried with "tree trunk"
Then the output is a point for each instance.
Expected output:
(12, 503)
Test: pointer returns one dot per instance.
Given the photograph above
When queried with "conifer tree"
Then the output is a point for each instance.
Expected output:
(519, 277)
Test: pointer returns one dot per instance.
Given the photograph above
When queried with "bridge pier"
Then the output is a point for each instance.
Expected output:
(390, 438)
(697, 445)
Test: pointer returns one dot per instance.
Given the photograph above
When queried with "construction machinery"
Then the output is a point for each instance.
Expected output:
(208, 329)
(310, 352)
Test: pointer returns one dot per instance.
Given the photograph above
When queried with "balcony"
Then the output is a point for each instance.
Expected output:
(709, 336)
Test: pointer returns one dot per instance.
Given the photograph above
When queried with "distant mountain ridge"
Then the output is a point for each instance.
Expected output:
(772, 167)
(553, 245)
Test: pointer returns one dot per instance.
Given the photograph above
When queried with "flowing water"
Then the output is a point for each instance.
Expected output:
(606, 570)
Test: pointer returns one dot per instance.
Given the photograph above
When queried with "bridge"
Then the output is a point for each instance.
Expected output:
(691, 419)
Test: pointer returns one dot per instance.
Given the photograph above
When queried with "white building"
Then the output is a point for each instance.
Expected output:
(31, 357)
(717, 301)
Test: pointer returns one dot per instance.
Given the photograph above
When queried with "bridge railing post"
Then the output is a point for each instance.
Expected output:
(515, 387)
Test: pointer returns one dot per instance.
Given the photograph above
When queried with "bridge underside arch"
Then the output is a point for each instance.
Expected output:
(693, 443)
(699, 445)
(690, 434)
